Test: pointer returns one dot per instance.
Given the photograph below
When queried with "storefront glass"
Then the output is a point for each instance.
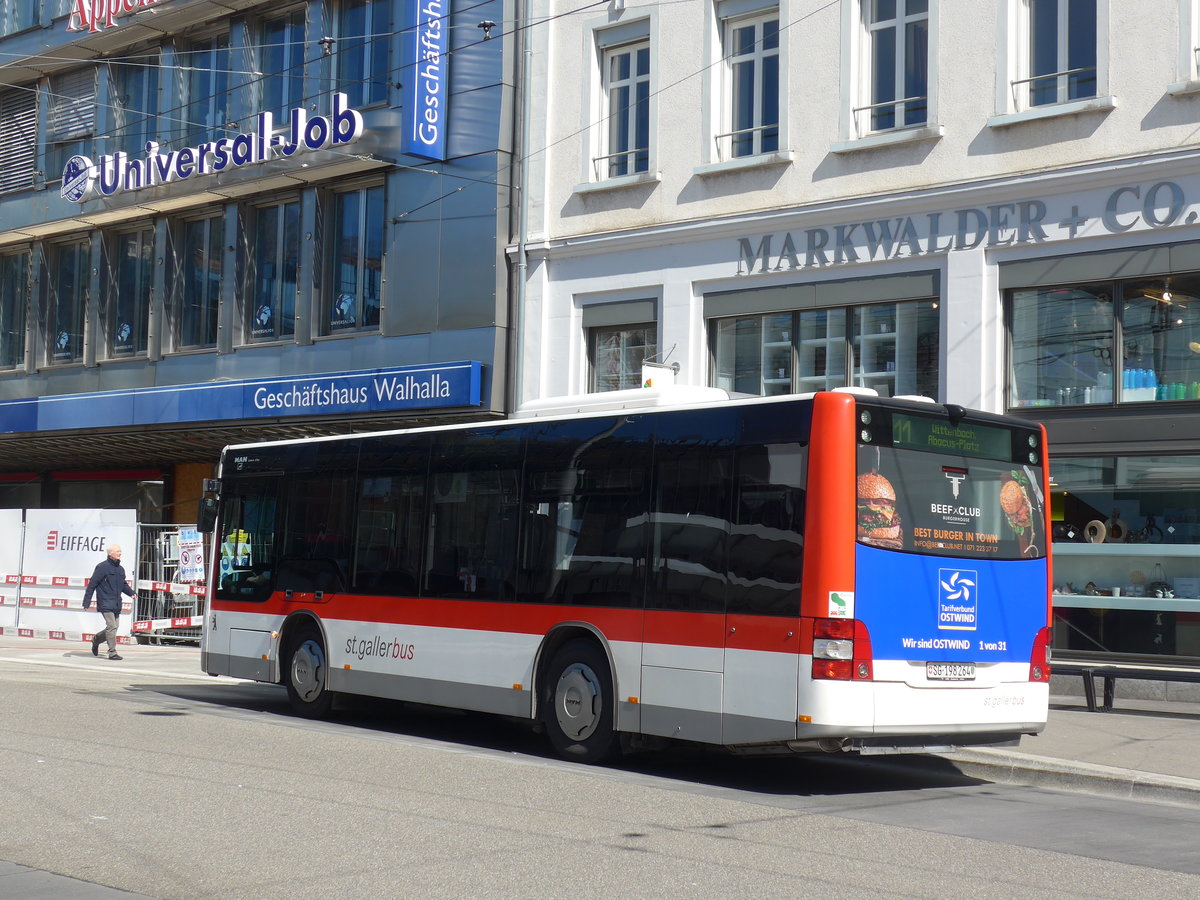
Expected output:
(1072, 346)
(1126, 560)
(892, 348)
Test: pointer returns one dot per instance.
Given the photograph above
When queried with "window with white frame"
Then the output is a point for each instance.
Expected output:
(617, 353)
(894, 79)
(626, 111)
(1056, 52)
(751, 50)
(1189, 41)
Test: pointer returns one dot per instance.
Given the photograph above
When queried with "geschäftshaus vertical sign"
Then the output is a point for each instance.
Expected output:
(424, 134)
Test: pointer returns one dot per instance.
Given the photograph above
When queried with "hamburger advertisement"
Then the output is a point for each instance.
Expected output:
(948, 505)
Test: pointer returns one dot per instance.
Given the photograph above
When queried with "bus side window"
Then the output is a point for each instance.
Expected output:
(767, 540)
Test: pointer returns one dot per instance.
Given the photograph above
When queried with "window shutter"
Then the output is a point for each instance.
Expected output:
(72, 106)
(18, 138)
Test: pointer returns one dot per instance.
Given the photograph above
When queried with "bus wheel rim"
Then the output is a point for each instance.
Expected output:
(308, 663)
(577, 701)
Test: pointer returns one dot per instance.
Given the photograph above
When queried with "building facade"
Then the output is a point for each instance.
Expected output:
(224, 222)
(995, 204)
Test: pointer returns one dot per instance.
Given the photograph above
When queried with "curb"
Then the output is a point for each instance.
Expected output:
(1041, 771)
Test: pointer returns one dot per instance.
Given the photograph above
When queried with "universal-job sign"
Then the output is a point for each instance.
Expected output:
(303, 134)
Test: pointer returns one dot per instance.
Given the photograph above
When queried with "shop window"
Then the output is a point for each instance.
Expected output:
(751, 48)
(201, 273)
(128, 287)
(14, 306)
(275, 264)
(1072, 346)
(1126, 571)
(626, 110)
(134, 91)
(281, 60)
(18, 138)
(207, 66)
(71, 117)
(1160, 339)
(617, 353)
(894, 81)
(363, 71)
(357, 255)
(1056, 53)
(67, 300)
(892, 348)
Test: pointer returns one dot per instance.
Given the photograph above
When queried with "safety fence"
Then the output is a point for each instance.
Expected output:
(169, 558)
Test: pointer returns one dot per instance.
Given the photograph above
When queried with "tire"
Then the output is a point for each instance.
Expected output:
(306, 674)
(577, 703)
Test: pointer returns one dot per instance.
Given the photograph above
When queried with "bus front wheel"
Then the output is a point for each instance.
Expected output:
(306, 674)
(577, 704)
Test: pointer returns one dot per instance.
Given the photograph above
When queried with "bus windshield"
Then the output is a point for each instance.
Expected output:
(928, 486)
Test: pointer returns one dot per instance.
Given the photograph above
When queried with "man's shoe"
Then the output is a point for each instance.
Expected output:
(96, 645)
(113, 656)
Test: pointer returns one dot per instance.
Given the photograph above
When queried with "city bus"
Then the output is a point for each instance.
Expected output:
(819, 572)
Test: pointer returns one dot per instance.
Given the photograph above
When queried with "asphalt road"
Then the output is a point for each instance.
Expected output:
(168, 786)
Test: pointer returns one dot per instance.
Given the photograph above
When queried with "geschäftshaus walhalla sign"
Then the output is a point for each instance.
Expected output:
(303, 133)
(1162, 204)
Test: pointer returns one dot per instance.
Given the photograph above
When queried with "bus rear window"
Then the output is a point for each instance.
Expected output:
(949, 504)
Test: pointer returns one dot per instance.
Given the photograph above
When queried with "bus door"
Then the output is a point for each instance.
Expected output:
(245, 568)
(765, 551)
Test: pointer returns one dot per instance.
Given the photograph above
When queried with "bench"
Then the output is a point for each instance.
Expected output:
(1111, 672)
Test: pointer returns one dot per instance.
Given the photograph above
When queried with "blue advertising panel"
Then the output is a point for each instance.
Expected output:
(424, 132)
(446, 385)
(934, 609)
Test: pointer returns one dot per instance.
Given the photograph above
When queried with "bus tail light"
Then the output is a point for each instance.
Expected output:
(1039, 668)
(841, 650)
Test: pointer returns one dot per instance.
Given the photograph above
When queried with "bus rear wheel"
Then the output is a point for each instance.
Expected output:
(306, 673)
(577, 704)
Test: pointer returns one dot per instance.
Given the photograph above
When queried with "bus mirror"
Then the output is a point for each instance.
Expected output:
(206, 516)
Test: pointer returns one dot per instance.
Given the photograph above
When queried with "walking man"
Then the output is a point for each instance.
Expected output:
(108, 584)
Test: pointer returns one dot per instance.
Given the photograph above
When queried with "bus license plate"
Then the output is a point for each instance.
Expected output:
(950, 671)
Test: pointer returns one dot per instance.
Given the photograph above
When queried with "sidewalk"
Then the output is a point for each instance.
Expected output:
(1143, 749)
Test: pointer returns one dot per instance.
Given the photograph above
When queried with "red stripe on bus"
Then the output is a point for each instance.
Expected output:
(685, 629)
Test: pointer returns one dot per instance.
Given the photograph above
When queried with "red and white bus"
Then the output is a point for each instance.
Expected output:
(832, 571)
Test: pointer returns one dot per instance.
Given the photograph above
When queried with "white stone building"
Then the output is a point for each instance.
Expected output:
(994, 203)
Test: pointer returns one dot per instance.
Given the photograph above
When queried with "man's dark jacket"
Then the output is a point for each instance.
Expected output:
(108, 583)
